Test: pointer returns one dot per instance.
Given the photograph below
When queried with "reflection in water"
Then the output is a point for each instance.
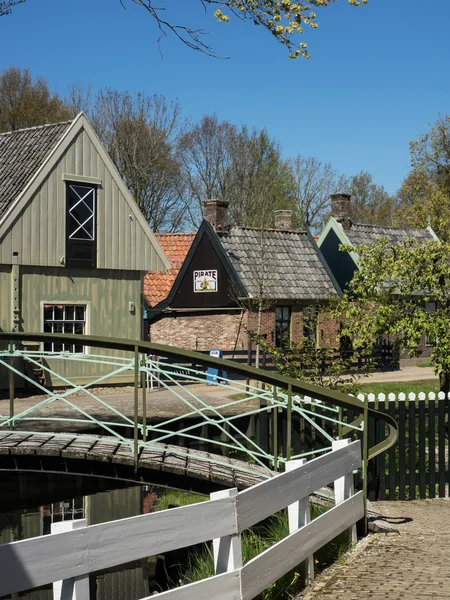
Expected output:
(30, 503)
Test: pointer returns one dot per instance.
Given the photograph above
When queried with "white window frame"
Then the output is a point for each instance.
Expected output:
(84, 303)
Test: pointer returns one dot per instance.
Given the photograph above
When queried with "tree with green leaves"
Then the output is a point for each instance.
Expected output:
(424, 197)
(371, 203)
(306, 361)
(403, 291)
(285, 20)
(27, 102)
(240, 165)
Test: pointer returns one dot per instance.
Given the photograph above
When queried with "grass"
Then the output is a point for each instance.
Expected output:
(396, 387)
(200, 562)
(178, 498)
(425, 363)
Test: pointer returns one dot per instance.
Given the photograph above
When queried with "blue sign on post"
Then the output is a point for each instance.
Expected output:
(212, 373)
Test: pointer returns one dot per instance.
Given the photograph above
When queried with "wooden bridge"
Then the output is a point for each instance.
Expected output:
(72, 555)
(103, 456)
(306, 430)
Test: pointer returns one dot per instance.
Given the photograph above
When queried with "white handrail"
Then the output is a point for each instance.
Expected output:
(38, 561)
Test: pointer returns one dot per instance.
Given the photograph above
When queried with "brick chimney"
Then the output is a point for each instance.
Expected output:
(216, 212)
(341, 209)
(283, 219)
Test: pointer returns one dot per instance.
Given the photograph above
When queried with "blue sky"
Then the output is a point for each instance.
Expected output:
(378, 75)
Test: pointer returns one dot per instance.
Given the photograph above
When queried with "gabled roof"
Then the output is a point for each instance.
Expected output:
(157, 285)
(28, 156)
(280, 264)
(360, 233)
(363, 233)
(22, 153)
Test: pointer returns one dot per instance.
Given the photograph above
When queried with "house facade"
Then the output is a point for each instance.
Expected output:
(73, 244)
(340, 229)
(229, 273)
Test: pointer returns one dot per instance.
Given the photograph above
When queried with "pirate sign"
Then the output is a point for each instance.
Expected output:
(205, 281)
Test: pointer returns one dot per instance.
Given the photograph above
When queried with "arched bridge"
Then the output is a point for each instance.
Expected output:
(247, 426)
(107, 457)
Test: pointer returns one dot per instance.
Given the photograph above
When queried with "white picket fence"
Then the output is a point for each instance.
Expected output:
(402, 397)
(68, 557)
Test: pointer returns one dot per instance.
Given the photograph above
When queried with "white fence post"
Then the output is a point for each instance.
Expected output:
(299, 514)
(227, 550)
(344, 488)
(76, 588)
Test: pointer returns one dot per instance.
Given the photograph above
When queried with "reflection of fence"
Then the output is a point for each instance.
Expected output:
(418, 465)
(71, 556)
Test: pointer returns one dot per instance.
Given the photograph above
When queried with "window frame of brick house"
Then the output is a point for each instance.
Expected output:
(282, 325)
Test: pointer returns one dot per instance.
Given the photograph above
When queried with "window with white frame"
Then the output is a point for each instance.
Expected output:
(62, 319)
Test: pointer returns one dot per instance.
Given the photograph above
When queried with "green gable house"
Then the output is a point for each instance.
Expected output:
(341, 229)
(73, 244)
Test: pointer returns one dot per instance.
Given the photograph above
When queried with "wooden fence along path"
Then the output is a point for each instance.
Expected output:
(72, 555)
(383, 357)
(418, 465)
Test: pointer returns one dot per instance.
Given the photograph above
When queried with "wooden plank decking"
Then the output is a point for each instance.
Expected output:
(109, 452)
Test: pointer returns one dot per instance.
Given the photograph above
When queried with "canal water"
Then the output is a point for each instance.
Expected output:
(30, 503)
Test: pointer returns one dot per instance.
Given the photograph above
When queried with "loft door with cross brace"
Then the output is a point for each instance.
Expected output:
(81, 225)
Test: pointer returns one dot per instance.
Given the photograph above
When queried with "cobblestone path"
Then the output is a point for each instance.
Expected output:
(414, 564)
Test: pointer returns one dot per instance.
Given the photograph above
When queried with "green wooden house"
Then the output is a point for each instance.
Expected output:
(73, 244)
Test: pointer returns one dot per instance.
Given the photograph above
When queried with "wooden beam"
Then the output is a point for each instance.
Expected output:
(38, 561)
(266, 498)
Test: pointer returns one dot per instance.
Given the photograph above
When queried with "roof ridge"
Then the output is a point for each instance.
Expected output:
(36, 127)
(177, 233)
(247, 228)
(387, 226)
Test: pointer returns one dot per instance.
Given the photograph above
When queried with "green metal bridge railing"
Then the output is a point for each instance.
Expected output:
(273, 399)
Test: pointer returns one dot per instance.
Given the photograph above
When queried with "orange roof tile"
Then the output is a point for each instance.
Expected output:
(157, 285)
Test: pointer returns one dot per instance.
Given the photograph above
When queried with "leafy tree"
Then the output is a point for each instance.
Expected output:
(25, 102)
(370, 202)
(424, 197)
(431, 153)
(6, 6)
(260, 180)
(241, 166)
(319, 366)
(312, 184)
(285, 20)
(389, 295)
(422, 202)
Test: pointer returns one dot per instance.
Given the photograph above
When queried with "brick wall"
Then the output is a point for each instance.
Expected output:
(328, 331)
(228, 331)
(201, 331)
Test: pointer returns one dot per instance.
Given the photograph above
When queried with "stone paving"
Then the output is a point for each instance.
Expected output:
(413, 564)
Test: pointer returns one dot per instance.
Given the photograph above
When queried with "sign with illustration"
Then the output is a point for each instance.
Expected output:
(205, 281)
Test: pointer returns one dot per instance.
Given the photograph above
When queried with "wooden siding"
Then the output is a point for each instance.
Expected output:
(205, 259)
(38, 232)
(107, 294)
(340, 263)
(5, 298)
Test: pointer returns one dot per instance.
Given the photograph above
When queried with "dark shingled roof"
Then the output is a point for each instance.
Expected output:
(287, 264)
(22, 152)
(368, 234)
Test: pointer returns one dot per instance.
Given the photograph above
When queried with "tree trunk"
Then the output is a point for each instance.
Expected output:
(259, 333)
(444, 381)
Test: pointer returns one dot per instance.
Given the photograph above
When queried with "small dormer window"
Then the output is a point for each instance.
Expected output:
(81, 225)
